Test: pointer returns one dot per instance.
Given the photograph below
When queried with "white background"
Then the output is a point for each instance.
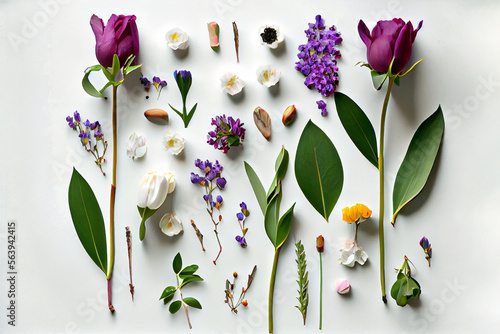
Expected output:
(46, 46)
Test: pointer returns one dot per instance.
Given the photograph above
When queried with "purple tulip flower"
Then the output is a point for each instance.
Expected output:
(388, 40)
(119, 36)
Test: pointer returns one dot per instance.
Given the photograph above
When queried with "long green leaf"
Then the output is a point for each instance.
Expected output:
(87, 86)
(189, 270)
(271, 218)
(281, 165)
(318, 169)
(189, 279)
(258, 189)
(284, 227)
(87, 219)
(177, 263)
(358, 127)
(418, 161)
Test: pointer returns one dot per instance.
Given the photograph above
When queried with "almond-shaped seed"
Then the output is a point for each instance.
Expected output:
(263, 122)
(288, 115)
(157, 116)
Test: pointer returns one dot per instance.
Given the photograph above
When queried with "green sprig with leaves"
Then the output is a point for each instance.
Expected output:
(187, 275)
(406, 287)
(303, 280)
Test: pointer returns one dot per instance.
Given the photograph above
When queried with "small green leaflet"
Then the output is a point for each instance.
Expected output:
(418, 161)
(405, 287)
(87, 219)
(358, 127)
(318, 169)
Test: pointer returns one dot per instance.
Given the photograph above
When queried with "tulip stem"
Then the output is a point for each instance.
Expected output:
(381, 179)
(271, 288)
(320, 292)
(112, 206)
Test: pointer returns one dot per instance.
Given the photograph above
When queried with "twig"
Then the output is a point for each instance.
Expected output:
(129, 247)
(236, 41)
(198, 234)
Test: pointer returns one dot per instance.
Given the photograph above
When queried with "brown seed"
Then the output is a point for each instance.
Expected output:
(263, 122)
(157, 116)
(288, 115)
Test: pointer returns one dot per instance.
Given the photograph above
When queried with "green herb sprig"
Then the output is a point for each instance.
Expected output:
(187, 276)
(303, 280)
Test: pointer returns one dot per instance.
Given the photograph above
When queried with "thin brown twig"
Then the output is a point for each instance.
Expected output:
(129, 247)
(198, 234)
(236, 41)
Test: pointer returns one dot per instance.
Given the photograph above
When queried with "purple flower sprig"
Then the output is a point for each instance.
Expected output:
(318, 57)
(322, 106)
(228, 132)
(211, 179)
(90, 135)
(241, 216)
(157, 82)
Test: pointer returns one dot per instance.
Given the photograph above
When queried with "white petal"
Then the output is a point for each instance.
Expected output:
(152, 191)
(171, 224)
(136, 146)
(171, 182)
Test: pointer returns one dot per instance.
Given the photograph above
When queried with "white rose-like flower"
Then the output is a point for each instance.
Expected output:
(153, 190)
(173, 142)
(177, 39)
(231, 83)
(352, 253)
(268, 75)
(270, 36)
(136, 146)
(171, 224)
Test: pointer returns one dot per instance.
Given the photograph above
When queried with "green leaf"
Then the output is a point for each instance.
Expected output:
(281, 165)
(271, 218)
(378, 79)
(169, 291)
(116, 66)
(145, 214)
(87, 86)
(177, 263)
(284, 227)
(190, 115)
(318, 169)
(87, 219)
(175, 306)
(358, 127)
(176, 111)
(257, 187)
(418, 161)
(168, 299)
(131, 69)
(192, 302)
(189, 279)
(189, 270)
(404, 289)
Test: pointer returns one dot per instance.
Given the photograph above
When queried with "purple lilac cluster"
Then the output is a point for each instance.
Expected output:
(90, 135)
(211, 180)
(228, 132)
(241, 216)
(318, 58)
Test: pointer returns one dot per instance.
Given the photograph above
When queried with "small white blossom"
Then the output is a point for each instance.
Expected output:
(177, 39)
(231, 83)
(173, 142)
(268, 75)
(136, 146)
(352, 253)
(171, 224)
(270, 36)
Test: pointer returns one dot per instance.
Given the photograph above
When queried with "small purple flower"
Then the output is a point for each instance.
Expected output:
(71, 124)
(94, 125)
(98, 134)
(426, 246)
(195, 178)
(322, 106)
(77, 117)
(198, 163)
(228, 132)
(221, 183)
(240, 216)
(86, 123)
(85, 137)
(156, 80)
(145, 82)
(219, 199)
(243, 206)
(207, 198)
(217, 167)
(242, 241)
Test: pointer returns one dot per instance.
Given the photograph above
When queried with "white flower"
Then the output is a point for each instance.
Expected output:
(231, 83)
(177, 39)
(171, 224)
(153, 190)
(173, 141)
(268, 75)
(136, 146)
(270, 36)
(352, 253)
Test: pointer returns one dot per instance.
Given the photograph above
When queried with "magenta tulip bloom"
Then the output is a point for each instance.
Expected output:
(119, 36)
(388, 40)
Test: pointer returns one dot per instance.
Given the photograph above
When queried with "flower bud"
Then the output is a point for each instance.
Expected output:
(343, 286)
(244, 303)
(288, 115)
(320, 241)
(153, 190)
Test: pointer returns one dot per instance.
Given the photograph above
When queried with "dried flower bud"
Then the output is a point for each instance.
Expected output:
(320, 241)
(244, 303)
(288, 115)
(235, 274)
(343, 286)
(157, 116)
(263, 122)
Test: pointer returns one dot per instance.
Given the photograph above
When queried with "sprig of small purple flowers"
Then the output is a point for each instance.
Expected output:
(157, 82)
(211, 181)
(318, 58)
(241, 216)
(90, 135)
(228, 132)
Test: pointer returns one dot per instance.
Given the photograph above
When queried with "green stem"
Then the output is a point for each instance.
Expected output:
(184, 111)
(320, 292)
(381, 179)
(271, 288)
(112, 206)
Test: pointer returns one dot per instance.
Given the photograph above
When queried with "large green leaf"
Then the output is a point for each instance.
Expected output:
(283, 228)
(258, 189)
(271, 218)
(318, 169)
(418, 161)
(87, 219)
(358, 127)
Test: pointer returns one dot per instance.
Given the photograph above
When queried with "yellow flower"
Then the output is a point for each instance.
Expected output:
(357, 213)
